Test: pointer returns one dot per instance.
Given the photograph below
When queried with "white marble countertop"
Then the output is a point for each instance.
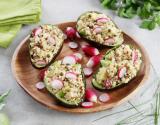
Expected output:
(23, 110)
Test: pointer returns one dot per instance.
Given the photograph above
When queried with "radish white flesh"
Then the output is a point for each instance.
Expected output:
(87, 104)
(37, 31)
(91, 95)
(102, 20)
(78, 56)
(71, 75)
(51, 41)
(77, 35)
(94, 61)
(69, 60)
(97, 30)
(40, 85)
(134, 56)
(122, 72)
(108, 84)
(89, 50)
(70, 32)
(104, 97)
(73, 45)
(56, 84)
(109, 41)
(87, 71)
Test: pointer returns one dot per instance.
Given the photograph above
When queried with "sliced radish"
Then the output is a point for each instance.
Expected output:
(70, 32)
(51, 41)
(94, 61)
(78, 56)
(41, 74)
(87, 104)
(57, 84)
(87, 71)
(73, 45)
(36, 31)
(71, 75)
(89, 50)
(77, 35)
(97, 30)
(122, 72)
(40, 85)
(91, 95)
(134, 56)
(41, 62)
(69, 60)
(108, 84)
(102, 19)
(104, 97)
(109, 41)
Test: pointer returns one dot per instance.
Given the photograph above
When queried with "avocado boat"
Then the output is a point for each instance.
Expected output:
(46, 42)
(66, 82)
(119, 65)
(99, 28)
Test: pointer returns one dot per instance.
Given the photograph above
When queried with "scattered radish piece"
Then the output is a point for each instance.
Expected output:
(102, 20)
(78, 56)
(91, 95)
(77, 35)
(122, 72)
(87, 104)
(97, 30)
(134, 56)
(57, 84)
(94, 61)
(69, 60)
(73, 45)
(71, 75)
(108, 84)
(87, 71)
(109, 41)
(41, 74)
(36, 31)
(70, 32)
(51, 41)
(104, 97)
(41, 62)
(40, 85)
(89, 50)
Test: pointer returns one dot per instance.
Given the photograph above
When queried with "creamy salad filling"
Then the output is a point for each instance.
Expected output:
(45, 42)
(119, 66)
(73, 88)
(99, 28)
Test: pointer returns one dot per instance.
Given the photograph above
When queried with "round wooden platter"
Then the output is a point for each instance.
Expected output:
(27, 76)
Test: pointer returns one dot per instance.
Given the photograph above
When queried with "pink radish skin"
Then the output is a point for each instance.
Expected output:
(104, 97)
(69, 60)
(87, 104)
(108, 84)
(41, 74)
(71, 75)
(57, 84)
(109, 41)
(91, 96)
(121, 72)
(77, 35)
(70, 32)
(40, 85)
(102, 20)
(94, 61)
(36, 31)
(73, 45)
(87, 71)
(89, 50)
(78, 57)
(134, 56)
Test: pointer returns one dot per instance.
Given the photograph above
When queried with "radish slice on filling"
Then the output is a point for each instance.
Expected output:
(41, 74)
(71, 75)
(70, 32)
(94, 61)
(109, 41)
(40, 85)
(56, 84)
(122, 72)
(134, 56)
(102, 19)
(41, 62)
(51, 41)
(104, 97)
(97, 30)
(108, 84)
(87, 104)
(36, 31)
(87, 71)
(78, 56)
(89, 50)
(91, 95)
(69, 60)
(73, 45)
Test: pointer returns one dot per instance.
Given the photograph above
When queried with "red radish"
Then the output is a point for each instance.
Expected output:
(51, 41)
(94, 61)
(78, 56)
(87, 104)
(41, 62)
(57, 84)
(70, 32)
(104, 97)
(134, 56)
(73, 45)
(77, 35)
(89, 50)
(109, 41)
(97, 30)
(87, 71)
(41, 74)
(102, 19)
(122, 72)
(69, 60)
(40, 85)
(36, 31)
(71, 75)
(90, 95)
(108, 84)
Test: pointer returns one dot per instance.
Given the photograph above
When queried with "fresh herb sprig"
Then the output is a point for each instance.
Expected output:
(147, 10)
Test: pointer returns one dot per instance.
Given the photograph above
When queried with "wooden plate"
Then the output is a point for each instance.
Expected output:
(27, 76)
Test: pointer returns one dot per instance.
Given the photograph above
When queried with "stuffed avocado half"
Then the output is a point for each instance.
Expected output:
(118, 66)
(46, 42)
(99, 28)
(66, 82)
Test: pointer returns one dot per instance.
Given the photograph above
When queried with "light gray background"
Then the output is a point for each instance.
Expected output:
(23, 110)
